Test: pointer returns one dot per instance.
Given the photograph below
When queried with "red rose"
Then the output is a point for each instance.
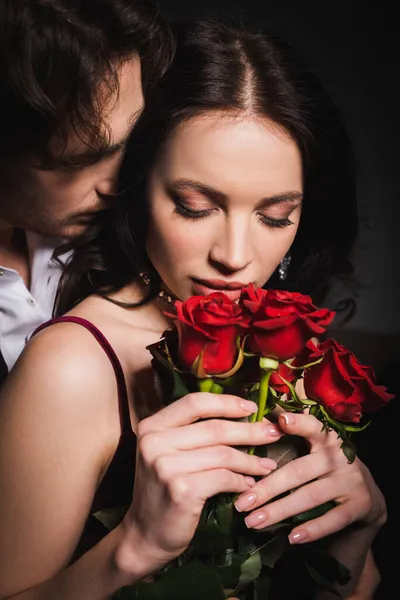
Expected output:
(209, 325)
(344, 386)
(276, 381)
(282, 322)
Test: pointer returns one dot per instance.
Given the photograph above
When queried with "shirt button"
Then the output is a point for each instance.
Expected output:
(31, 301)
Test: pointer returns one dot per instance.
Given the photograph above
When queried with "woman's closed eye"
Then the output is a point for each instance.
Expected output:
(181, 208)
(283, 222)
(184, 208)
(189, 213)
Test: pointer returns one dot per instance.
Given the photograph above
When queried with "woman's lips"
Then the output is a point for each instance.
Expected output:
(201, 289)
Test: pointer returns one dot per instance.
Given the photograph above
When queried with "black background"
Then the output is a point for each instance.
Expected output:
(354, 47)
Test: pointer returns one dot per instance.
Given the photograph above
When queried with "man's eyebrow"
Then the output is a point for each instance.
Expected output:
(190, 184)
(91, 155)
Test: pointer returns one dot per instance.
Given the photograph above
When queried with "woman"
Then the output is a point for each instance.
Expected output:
(235, 160)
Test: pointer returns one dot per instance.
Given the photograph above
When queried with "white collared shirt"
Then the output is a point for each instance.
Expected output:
(22, 310)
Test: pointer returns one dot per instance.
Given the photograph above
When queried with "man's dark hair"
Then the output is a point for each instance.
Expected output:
(54, 54)
(243, 73)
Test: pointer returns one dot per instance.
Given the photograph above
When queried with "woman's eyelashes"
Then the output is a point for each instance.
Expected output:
(181, 208)
(274, 222)
(185, 211)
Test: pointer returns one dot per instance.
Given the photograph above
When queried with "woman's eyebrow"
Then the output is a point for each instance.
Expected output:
(190, 184)
(292, 196)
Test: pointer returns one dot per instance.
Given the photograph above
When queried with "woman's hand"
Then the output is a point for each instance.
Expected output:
(182, 460)
(324, 475)
(368, 582)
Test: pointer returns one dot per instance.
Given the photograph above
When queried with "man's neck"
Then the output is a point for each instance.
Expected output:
(14, 252)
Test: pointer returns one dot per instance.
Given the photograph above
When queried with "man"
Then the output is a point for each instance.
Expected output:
(73, 75)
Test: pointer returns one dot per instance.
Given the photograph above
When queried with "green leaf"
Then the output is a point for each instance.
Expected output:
(172, 385)
(308, 402)
(356, 428)
(224, 516)
(193, 581)
(249, 570)
(273, 392)
(228, 577)
(179, 388)
(140, 591)
(209, 539)
(292, 390)
(349, 451)
(313, 513)
(111, 517)
(263, 585)
(289, 406)
(272, 551)
(253, 392)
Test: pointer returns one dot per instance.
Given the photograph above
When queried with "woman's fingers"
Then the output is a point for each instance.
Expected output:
(175, 464)
(308, 427)
(210, 432)
(334, 520)
(301, 500)
(199, 405)
(193, 490)
(295, 473)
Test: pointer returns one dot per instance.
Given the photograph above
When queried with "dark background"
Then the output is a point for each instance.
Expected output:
(354, 47)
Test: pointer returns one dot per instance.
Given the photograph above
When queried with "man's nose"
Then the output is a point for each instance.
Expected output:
(106, 200)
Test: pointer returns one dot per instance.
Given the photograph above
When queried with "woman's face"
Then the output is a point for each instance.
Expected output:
(225, 202)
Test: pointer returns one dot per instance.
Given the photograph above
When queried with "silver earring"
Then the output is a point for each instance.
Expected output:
(166, 297)
(144, 277)
(284, 266)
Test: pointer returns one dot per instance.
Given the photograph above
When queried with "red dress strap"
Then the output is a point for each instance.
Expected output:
(125, 420)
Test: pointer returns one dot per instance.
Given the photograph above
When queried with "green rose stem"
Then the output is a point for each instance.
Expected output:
(217, 389)
(206, 384)
(222, 558)
(267, 367)
(209, 385)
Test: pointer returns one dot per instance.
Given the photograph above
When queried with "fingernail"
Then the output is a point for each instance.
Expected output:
(250, 481)
(255, 519)
(299, 536)
(249, 406)
(288, 418)
(272, 430)
(268, 463)
(245, 502)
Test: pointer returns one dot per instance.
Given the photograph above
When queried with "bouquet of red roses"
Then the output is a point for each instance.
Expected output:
(259, 348)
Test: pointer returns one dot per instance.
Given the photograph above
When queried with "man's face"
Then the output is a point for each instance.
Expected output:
(61, 202)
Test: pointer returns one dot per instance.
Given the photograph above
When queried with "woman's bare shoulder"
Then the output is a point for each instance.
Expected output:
(129, 331)
(64, 370)
(67, 352)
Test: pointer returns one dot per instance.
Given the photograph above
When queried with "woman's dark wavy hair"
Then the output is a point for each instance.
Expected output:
(220, 68)
(53, 56)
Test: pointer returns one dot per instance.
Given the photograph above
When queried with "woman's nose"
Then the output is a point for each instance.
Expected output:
(232, 246)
